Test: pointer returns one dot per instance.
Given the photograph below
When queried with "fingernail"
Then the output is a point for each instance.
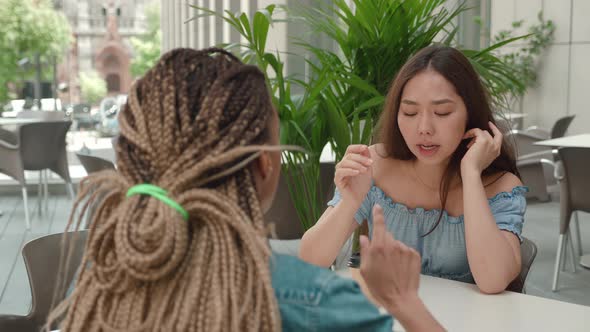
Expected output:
(378, 207)
(370, 161)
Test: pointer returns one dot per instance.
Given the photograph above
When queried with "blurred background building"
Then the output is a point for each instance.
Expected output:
(101, 41)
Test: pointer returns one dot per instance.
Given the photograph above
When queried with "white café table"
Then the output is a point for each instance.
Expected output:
(462, 307)
(512, 116)
(574, 141)
(16, 121)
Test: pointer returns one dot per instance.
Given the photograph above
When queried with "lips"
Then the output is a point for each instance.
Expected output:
(428, 146)
(428, 150)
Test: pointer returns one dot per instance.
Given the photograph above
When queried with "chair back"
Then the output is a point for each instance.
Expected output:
(94, 164)
(43, 145)
(528, 252)
(283, 213)
(561, 125)
(523, 143)
(575, 191)
(42, 260)
(42, 115)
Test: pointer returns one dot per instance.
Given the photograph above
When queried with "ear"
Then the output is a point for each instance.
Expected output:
(264, 164)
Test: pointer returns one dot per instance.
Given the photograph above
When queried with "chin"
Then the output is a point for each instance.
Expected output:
(437, 159)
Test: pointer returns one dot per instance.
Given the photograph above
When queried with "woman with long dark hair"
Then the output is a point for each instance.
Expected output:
(446, 179)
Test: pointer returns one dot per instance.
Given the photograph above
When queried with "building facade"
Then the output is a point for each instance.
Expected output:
(101, 32)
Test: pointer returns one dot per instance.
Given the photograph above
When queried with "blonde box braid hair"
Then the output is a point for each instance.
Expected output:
(195, 114)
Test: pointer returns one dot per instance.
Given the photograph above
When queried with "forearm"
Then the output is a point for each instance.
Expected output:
(490, 255)
(413, 315)
(321, 244)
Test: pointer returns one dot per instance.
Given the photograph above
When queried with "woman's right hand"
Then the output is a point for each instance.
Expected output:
(390, 269)
(354, 174)
(391, 272)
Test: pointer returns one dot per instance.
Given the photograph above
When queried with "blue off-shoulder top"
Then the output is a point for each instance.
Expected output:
(443, 251)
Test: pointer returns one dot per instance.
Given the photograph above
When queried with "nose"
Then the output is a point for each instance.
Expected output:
(425, 124)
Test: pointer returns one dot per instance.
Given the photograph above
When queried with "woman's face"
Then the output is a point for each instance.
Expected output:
(268, 168)
(432, 117)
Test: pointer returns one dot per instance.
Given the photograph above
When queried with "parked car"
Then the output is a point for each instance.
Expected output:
(108, 112)
(81, 116)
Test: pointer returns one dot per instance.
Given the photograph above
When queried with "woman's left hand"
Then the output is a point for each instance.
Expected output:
(482, 150)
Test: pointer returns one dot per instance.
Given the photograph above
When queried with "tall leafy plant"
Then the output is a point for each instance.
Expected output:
(373, 41)
(300, 122)
(524, 59)
(345, 92)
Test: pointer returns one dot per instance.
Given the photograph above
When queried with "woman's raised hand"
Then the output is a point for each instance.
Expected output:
(483, 148)
(354, 174)
(390, 269)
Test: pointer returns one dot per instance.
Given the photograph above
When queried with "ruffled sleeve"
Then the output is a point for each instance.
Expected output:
(362, 213)
(508, 209)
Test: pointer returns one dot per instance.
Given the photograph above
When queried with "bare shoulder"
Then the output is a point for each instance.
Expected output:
(501, 182)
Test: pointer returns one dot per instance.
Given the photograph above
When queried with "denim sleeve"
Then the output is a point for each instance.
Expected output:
(508, 209)
(343, 307)
(362, 213)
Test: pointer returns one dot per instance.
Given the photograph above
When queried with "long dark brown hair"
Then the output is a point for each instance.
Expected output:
(455, 68)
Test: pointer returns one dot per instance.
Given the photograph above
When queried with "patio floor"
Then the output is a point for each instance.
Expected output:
(541, 227)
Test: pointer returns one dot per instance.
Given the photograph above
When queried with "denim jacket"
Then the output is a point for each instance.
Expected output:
(312, 298)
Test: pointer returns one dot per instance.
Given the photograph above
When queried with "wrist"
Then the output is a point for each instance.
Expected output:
(413, 315)
(468, 172)
(403, 308)
(350, 203)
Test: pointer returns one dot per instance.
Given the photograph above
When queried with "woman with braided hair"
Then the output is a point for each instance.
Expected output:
(178, 242)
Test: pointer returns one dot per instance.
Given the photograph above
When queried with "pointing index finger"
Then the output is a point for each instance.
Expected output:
(379, 229)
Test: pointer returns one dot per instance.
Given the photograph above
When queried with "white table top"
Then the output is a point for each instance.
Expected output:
(510, 116)
(462, 307)
(16, 121)
(574, 141)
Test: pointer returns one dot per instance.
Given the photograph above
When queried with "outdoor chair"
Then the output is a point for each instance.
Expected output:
(93, 163)
(538, 176)
(575, 196)
(42, 190)
(558, 130)
(282, 212)
(42, 260)
(528, 252)
(38, 146)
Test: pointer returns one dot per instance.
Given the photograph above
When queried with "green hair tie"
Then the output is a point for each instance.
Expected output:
(159, 193)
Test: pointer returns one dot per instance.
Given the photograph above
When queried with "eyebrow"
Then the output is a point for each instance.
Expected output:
(434, 102)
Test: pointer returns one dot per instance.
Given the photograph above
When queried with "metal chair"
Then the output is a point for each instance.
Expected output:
(38, 146)
(558, 130)
(42, 190)
(575, 196)
(42, 260)
(283, 213)
(537, 175)
(94, 164)
(528, 252)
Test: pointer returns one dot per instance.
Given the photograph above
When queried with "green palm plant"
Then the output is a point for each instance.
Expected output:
(373, 42)
(300, 122)
(345, 92)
